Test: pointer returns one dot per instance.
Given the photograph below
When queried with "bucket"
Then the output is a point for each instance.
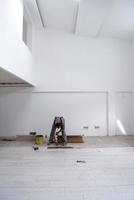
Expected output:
(39, 139)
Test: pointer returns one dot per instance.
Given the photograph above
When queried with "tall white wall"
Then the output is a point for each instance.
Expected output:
(67, 62)
(63, 65)
(15, 56)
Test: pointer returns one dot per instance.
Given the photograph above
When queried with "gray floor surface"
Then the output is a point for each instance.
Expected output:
(46, 174)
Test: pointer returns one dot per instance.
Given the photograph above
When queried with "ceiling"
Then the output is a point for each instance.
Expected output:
(10, 80)
(108, 18)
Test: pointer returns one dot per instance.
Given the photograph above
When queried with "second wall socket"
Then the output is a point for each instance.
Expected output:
(96, 127)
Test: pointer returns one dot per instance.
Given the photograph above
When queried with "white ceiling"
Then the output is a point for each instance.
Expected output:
(120, 20)
(110, 18)
(59, 14)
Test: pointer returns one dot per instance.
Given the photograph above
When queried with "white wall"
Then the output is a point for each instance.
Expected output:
(132, 45)
(21, 113)
(64, 61)
(15, 56)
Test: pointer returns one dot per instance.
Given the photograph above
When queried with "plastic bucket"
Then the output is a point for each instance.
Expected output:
(39, 139)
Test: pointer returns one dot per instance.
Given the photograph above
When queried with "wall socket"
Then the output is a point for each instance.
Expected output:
(85, 127)
(96, 127)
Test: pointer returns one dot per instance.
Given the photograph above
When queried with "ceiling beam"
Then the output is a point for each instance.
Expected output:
(76, 18)
(33, 9)
(39, 11)
(108, 12)
(91, 17)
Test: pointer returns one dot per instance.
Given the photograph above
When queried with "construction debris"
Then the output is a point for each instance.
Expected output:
(8, 140)
(35, 148)
(81, 161)
(59, 147)
(32, 133)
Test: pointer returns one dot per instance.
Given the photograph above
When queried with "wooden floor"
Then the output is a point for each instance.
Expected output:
(55, 174)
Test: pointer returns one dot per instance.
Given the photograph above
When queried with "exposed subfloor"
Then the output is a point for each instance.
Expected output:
(105, 141)
(55, 174)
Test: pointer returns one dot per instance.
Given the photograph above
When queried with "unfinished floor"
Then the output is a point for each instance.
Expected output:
(25, 174)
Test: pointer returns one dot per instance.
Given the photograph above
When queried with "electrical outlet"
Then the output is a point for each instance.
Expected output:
(85, 127)
(96, 127)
